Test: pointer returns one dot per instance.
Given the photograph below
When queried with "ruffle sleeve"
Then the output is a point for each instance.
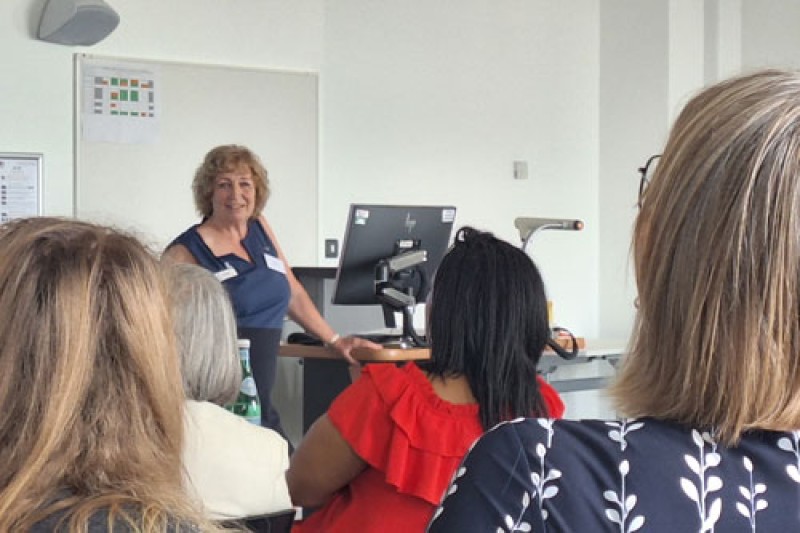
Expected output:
(393, 419)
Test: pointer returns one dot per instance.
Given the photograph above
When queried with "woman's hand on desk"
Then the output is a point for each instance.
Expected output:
(344, 345)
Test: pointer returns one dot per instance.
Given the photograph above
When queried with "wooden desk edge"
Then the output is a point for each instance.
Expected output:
(386, 354)
(361, 354)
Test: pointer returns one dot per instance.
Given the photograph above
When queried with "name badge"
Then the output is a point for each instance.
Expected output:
(274, 263)
(226, 273)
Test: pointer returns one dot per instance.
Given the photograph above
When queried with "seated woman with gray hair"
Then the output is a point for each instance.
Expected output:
(236, 469)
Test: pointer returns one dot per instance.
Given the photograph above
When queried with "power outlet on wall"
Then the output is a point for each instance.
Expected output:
(331, 248)
(520, 170)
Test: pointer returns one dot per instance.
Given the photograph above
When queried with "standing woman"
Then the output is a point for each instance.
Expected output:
(235, 242)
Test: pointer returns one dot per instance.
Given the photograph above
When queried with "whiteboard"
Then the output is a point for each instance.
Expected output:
(143, 184)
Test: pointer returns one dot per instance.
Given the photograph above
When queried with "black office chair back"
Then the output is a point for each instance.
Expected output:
(272, 523)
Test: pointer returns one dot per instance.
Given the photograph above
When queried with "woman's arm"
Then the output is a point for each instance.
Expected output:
(303, 311)
(322, 464)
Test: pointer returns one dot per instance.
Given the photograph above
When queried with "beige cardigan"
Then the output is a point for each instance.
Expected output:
(233, 467)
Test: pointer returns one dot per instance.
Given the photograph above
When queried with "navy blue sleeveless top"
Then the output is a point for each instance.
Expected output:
(259, 290)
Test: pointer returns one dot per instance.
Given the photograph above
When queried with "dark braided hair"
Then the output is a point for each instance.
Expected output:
(488, 322)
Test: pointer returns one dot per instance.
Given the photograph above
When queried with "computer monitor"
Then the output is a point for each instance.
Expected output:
(389, 256)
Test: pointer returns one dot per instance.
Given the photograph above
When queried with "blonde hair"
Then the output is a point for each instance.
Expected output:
(222, 159)
(205, 327)
(90, 398)
(717, 339)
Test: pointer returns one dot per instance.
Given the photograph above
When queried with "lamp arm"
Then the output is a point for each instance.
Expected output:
(530, 226)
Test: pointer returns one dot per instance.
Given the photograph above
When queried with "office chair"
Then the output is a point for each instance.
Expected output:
(280, 522)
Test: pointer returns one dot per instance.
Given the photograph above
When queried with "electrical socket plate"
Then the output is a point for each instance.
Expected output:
(331, 248)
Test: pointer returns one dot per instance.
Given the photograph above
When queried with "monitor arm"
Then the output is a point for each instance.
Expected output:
(393, 294)
(405, 260)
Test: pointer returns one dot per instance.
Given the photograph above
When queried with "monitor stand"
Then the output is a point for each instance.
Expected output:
(409, 337)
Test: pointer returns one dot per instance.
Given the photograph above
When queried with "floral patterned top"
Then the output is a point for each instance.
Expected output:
(622, 476)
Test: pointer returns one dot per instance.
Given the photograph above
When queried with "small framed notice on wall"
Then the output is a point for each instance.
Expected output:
(20, 185)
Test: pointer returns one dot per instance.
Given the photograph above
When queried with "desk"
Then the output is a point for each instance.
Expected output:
(610, 351)
(368, 355)
(364, 355)
(325, 373)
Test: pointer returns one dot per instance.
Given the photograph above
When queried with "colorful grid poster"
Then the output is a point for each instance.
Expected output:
(134, 97)
(120, 105)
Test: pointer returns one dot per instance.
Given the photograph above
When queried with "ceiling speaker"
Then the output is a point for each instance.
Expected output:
(77, 22)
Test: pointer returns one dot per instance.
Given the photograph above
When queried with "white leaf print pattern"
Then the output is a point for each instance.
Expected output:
(622, 428)
(690, 490)
(793, 472)
(636, 523)
(793, 446)
(752, 503)
(700, 491)
(517, 524)
(453, 488)
(620, 515)
(542, 482)
(693, 463)
(713, 515)
(547, 423)
(714, 484)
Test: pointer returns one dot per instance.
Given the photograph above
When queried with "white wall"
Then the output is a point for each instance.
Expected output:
(770, 34)
(431, 102)
(686, 52)
(36, 100)
(634, 58)
(442, 97)
(723, 39)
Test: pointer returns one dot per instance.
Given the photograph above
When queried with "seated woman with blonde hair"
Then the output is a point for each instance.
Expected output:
(712, 376)
(384, 453)
(91, 405)
(235, 468)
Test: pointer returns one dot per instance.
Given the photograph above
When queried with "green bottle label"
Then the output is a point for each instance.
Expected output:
(248, 386)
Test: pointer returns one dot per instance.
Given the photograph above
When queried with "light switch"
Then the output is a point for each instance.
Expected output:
(520, 170)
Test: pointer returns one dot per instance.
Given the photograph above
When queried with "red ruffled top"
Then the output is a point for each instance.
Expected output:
(412, 441)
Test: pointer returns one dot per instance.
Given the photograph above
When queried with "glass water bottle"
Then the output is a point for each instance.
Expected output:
(247, 404)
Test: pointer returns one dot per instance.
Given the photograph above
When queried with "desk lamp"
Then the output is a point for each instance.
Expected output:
(528, 227)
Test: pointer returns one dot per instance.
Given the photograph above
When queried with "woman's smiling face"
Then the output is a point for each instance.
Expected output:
(234, 195)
